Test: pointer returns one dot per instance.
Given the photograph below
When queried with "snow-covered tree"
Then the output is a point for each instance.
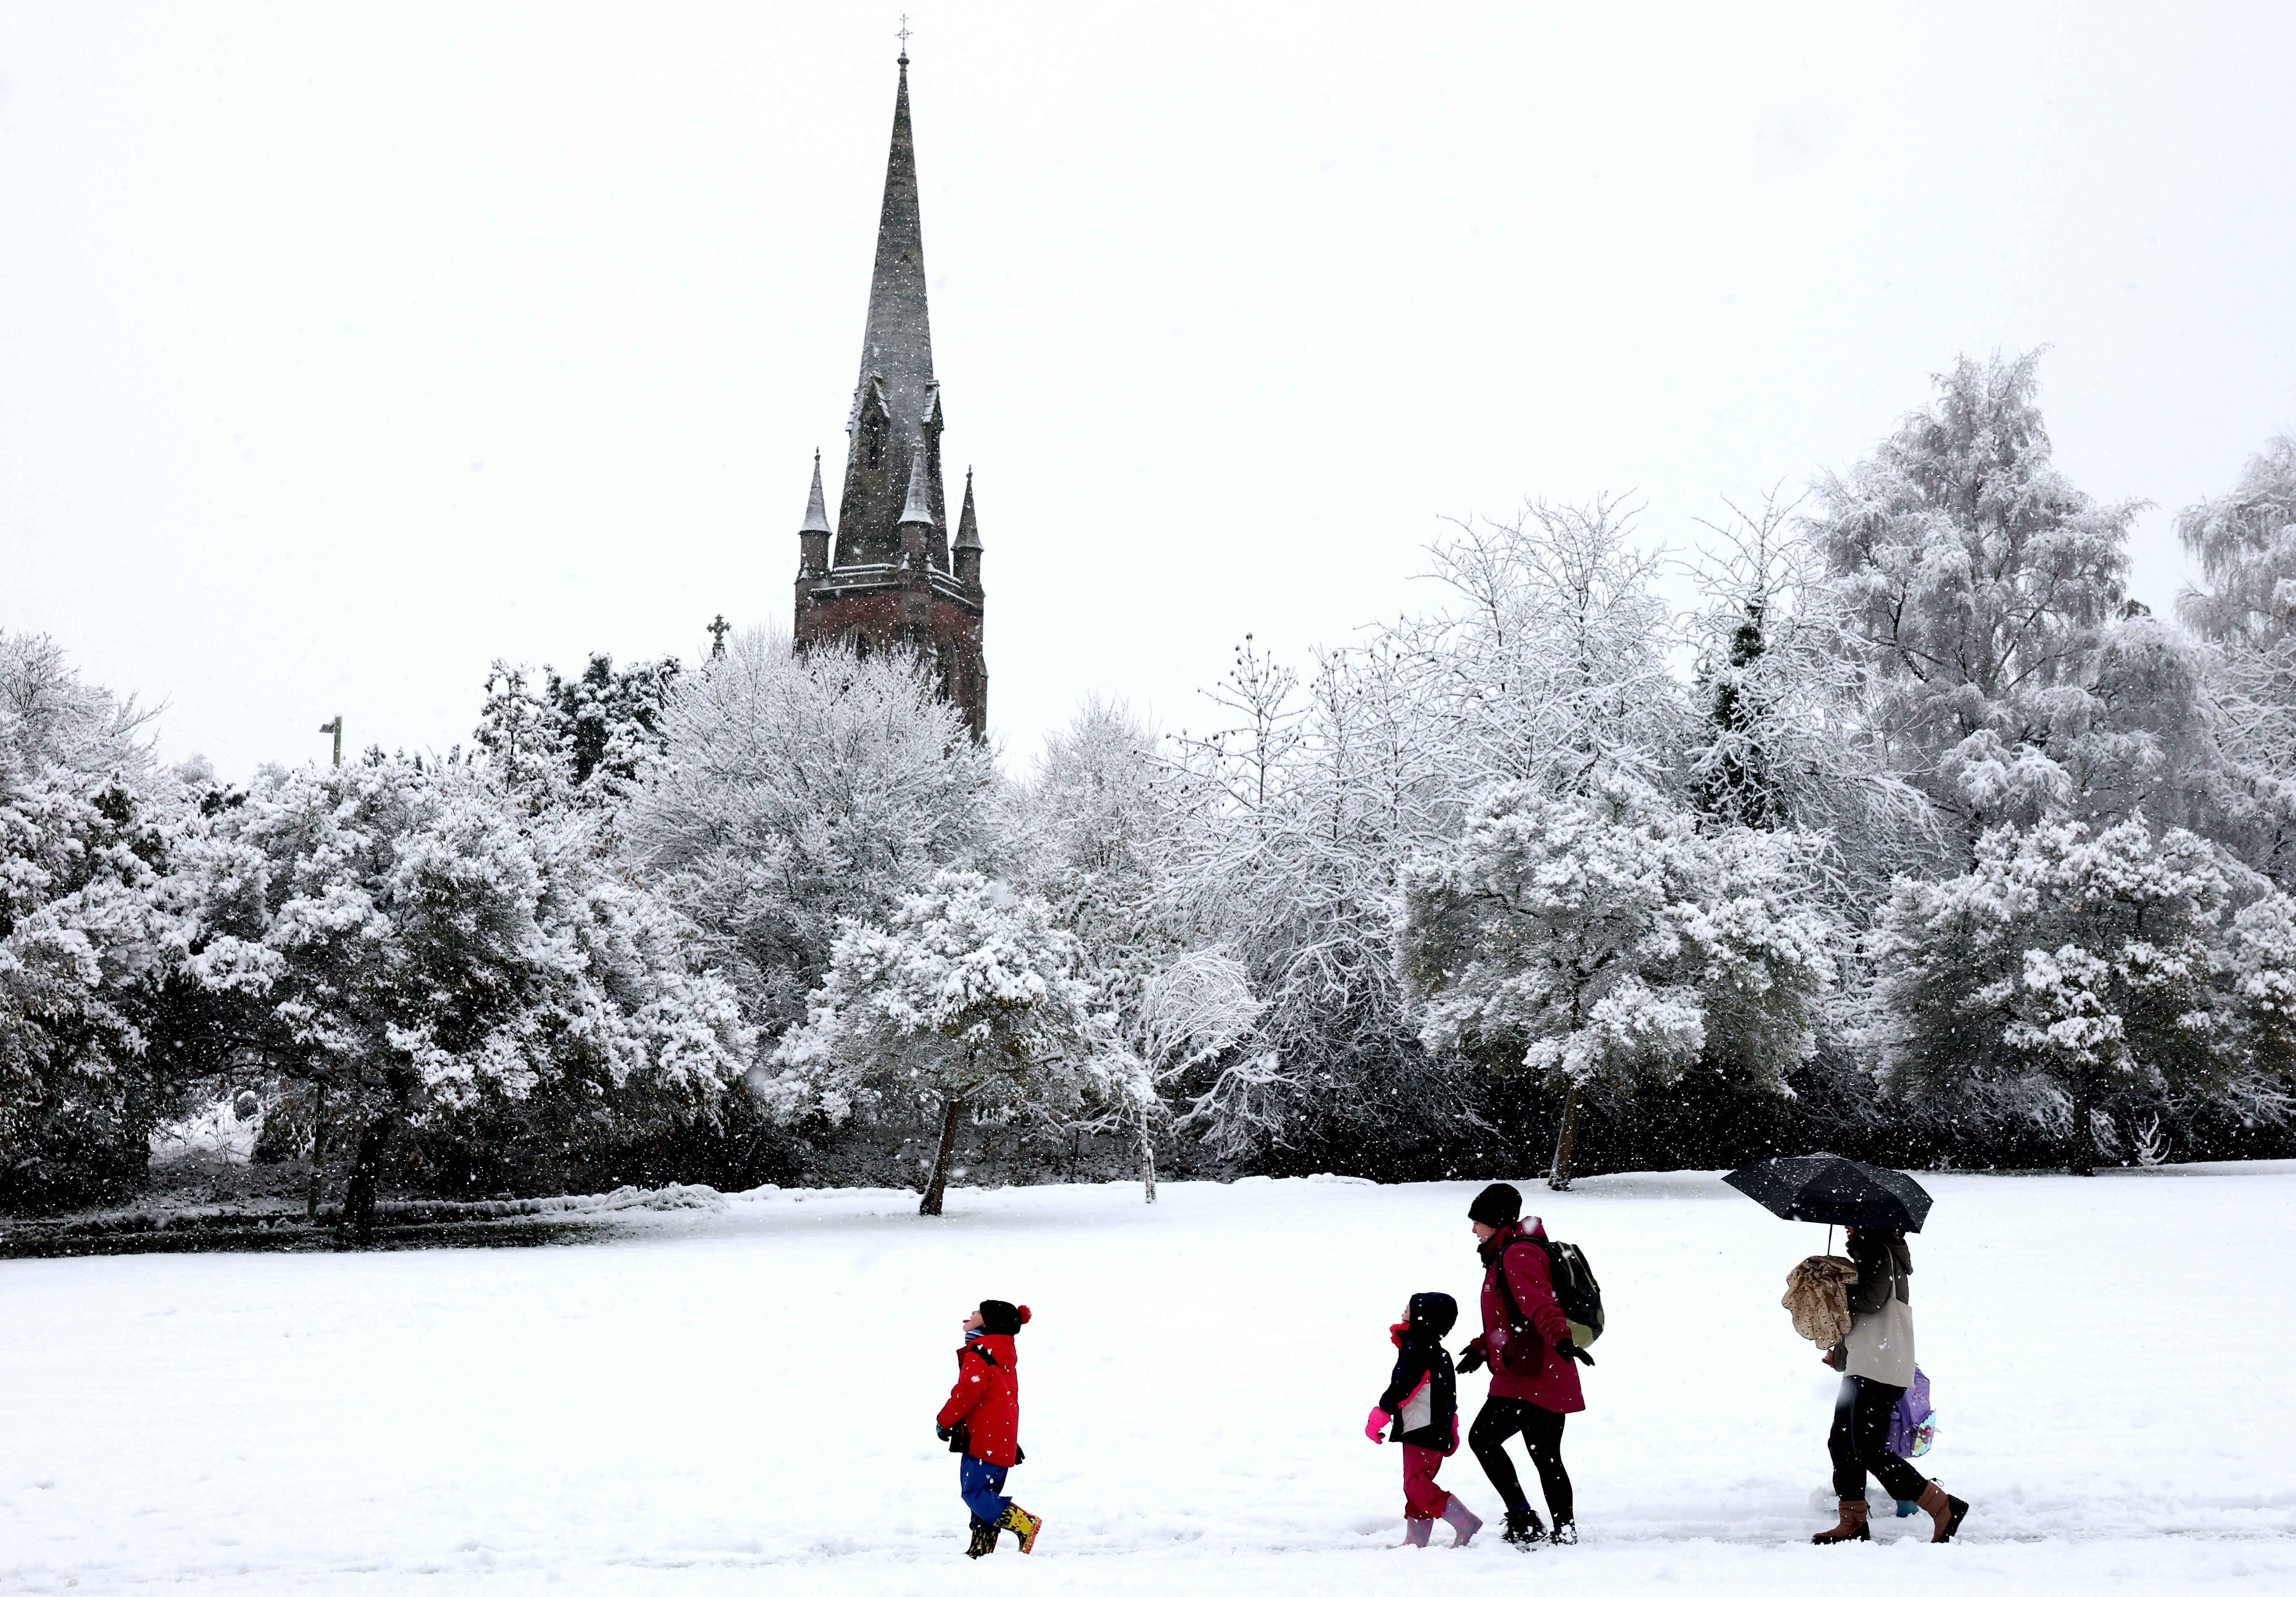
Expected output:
(1550, 660)
(966, 1000)
(1981, 589)
(2263, 967)
(82, 946)
(50, 717)
(1292, 824)
(2063, 967)
(798, 790)
(582, 738)
(422, 945)
(1598, 939)
(1782, 739)
(82, 949)
(2246, 543)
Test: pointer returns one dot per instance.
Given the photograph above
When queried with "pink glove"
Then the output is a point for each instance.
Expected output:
(1376, 1424)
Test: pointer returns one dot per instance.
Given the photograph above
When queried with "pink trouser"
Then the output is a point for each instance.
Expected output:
(1423, 1499)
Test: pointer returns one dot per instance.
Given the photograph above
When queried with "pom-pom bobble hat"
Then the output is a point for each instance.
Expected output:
(1002, 1319)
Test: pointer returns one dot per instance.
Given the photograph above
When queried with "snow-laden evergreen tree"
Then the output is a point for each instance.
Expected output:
(798, 790)
(1982, 594)
(422, 944)
(575, 739)
(83, 949)
(1598, 938)
(2246, 544)
(966, 1000)
(2262, 963)
(2062, 972)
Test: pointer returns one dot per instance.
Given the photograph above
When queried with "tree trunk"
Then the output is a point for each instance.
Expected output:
(2080, 1154)
(318, 1154)
(938, 1185)
(358, 1192)
(1566, 1142)
(1147, 1166)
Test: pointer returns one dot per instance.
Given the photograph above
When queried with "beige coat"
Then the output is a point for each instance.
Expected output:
(1817, 1297)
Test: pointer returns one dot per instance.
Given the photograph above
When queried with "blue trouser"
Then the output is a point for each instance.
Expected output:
(979, 1483)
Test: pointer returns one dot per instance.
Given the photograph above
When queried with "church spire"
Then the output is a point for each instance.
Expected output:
(813, 537)
(895, 416)
(917, 519)
(966, 551)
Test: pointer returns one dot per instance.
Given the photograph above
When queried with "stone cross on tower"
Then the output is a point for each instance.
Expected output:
(717, 630)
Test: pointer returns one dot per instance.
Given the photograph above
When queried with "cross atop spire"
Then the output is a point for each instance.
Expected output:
(903, 37)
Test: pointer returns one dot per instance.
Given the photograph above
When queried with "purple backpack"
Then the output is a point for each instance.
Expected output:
(1912, 1423)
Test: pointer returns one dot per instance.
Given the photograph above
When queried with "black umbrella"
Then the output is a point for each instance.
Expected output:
(1832, 1191)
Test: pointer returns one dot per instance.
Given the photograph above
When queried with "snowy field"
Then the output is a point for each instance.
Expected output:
(741, 1401)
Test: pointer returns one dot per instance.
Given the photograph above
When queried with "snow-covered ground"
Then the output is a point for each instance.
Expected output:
(741, 1400)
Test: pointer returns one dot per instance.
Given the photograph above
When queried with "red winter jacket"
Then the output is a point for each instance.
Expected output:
(987, 1400)
(1553, 1381)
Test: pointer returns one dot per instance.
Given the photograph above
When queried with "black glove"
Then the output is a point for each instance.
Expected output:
(1567, 1348)
(943, 1432)
(1471, 1361)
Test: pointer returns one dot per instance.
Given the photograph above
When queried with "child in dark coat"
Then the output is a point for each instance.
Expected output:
(1422, 1400)
(981, 1420)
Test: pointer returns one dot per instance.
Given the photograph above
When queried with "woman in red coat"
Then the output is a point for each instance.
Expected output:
(982, 1419)
(1534, 1365)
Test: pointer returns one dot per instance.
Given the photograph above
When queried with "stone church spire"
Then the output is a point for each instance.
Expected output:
(813, 537)
(895, 423)
(966, 551)
(890, 584)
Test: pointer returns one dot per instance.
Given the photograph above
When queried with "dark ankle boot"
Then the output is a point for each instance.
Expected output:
(1946, 1512)
(1852, 1527)
(1524, 1528)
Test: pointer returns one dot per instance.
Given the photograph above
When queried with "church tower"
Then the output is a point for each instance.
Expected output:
(888, 575)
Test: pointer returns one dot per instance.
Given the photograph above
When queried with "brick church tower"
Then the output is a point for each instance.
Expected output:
(895, 581)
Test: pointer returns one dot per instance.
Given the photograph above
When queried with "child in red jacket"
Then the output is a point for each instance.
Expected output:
(982, 1419)
(1423, 1401)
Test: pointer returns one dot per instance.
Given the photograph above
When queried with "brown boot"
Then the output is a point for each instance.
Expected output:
(1946, 1512)
(1852, 1527)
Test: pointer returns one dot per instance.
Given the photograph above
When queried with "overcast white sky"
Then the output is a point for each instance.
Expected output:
(344, 347)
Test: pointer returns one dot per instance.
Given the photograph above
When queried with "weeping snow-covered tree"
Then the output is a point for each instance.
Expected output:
(966, 1000)
(2063, 969)
(2246, 542)
(798, 790)
(416, 943)
(1597, 938)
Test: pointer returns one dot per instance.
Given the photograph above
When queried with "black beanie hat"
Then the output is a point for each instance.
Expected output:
(1497, 1204)
(1002, 1319)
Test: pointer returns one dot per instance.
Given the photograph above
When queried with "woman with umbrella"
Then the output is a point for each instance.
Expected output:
(1876, 1358)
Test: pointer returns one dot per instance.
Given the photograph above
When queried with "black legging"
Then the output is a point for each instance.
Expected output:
(1500, 1419)
(1859, 1441)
